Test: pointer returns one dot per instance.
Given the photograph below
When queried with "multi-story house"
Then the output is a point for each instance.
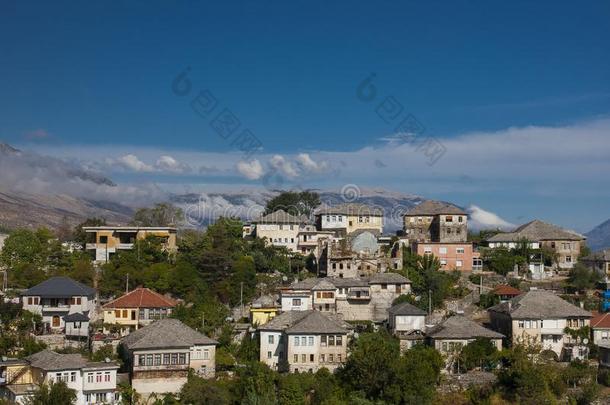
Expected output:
(344, 219)
(279, 228)
(352, 299)
(299, 341)
(541, 317)
(452, 256)
(600, 328)
(59, 300)
(564, 243)
(312, 241)
(600, 262)
(408, 324)
(108, 240)
(451, 335)
(137, 308)
(93, 382)
(435, 221)
(160, 355)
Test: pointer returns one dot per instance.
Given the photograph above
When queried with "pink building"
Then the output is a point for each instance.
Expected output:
(452, 255)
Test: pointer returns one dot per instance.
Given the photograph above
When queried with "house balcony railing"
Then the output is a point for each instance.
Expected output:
(356, 296)
(55, 308)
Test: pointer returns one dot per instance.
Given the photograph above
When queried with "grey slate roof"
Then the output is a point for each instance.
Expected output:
(76, 317)
(281, 217)
(265, 301)
(431, 207)
(538, 304)
(536, 231)
(406, 309)
(310, 321)
(388, 278)
(351, 209)
(164, 333)
(49, 361)
(460, 327)
(58, 287)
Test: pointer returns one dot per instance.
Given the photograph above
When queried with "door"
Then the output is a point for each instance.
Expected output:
(55, 322)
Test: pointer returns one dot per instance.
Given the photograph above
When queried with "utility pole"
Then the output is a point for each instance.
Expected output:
(241, 298)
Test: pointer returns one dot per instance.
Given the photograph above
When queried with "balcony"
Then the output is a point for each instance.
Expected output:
(358, 295)
(56, 307)
(125, 246)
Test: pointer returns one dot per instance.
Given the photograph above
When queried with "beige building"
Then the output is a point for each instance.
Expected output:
(303, 341)
(352, 299)
(564, 243)
(450, 336)
(160, 355)
(345, 219)
(541, 317)
(435, 221)
(279, 228)
(108, 240)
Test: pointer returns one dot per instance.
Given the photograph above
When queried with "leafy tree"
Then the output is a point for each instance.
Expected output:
(256, 384)
(162, 214)
(22, 247)
(419, 371)
(583, 278)
(500, 260)
(53, 394)
(478, 354)
(198, 391)
(295, 203)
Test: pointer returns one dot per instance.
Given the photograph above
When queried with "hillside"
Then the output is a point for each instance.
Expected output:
(599, 237)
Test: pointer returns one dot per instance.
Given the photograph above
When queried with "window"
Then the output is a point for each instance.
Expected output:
(98, 377)
(322, 358)
(521, 324)
(328, 218)
(528, 324)
(296, 358)
(117, 313)
(89, 377)
(442, 250)
(270, 339)
(448, 218)
(427, 249)
(323, 340)
(269, 354)
(166, 358)
(103, 239)
(568, 259)
(157, 359)
(30, 300)
(297, 341)
(460, 219)
(339, 340)
(206, 354)
(174, 358)
(339, 357)
(303, 358)
(125, 313)
(73, 376)
(76, 300)
(443, 262)
(296, 302)
(384, 286)
(340, 218)
(141, 361)
(107, 376)
(331, 340)
(149, 359)
(334, 218)
(459, 250)
(182, 358)
(444, 346)
(458, 263)
(311, 358)
(331, 358)
(310, 341)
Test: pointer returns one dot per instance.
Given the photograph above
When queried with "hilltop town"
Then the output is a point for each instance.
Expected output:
(307, 303)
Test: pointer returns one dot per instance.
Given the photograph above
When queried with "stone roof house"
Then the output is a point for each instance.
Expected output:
(304, 341)
(160, 355)
(539, 316)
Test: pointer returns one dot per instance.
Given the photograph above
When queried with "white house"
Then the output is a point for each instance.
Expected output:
(408, 323)
(60, 297)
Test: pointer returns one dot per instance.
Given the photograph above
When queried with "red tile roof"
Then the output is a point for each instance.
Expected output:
(601, 321)
(141, 298)
(504, 289)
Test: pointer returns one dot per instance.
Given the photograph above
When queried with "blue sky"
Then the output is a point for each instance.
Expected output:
(92, 82)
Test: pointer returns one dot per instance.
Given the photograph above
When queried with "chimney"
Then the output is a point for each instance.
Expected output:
(510, 306)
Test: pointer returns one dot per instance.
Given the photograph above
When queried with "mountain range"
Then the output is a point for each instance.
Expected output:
(37, 190)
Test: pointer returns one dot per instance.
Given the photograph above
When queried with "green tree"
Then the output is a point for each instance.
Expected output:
(53, 394)
(418, 373)
(583, 278)
(198, 391)
(479, 353)
(256, 384)
(295, 203)
(162, 214)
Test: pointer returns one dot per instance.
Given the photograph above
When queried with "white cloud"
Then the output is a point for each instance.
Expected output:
(309, 165)
(167, 163)
(481, 219)
(284, 167)
(132, 162)
(252, 170)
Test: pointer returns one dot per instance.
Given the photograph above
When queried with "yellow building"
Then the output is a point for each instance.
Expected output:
(16, 379)
(107, 240)
(264, 309)
(137, 308)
